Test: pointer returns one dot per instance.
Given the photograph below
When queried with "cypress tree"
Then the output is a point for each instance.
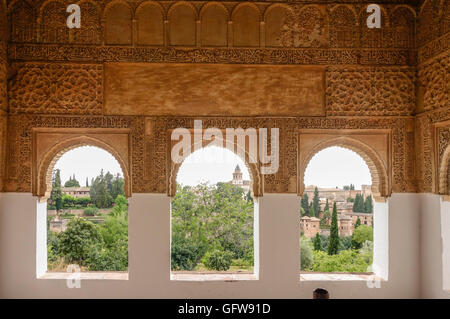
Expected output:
(305, 204)
(56, 193)
(316, 204)
(368, 208)
(249, 197)
(327, 206)
(333, 243)
(317, 242)
(359, 204)
(355, 203)
(312, 212)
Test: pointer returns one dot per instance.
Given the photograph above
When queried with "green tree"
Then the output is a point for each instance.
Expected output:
(327, 207)
(117, 186)
(217, 259)
(358, 223)
(358, 205)
(361, 234)
(249, 197)
(78, 240)
(368, 206)
(333, 244)
(345, 243)
(305, 204)
(120, 206)
(316, 203)
(99, 193)
(312, 212)
(317, 242)
(114, 230)
(185, 252)
(56, 193)
(72, 182)
(109, 181)
(306, 253)
(207, 218)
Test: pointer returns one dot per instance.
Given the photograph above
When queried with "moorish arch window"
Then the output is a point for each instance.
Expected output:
(336, 213)
(444, 173)
(82, 185)
(212, 217)
(343, 214)
(87, 212)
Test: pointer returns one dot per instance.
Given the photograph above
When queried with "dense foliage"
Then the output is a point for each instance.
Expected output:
(212, 222)
(361, 234)
(361, 205)
(306, 253)
(103, 192)
(218, 259)
(101, 247)
(72, 182)
(346, 261)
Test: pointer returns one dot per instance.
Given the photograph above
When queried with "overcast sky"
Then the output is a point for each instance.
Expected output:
(86, 161)
(337, 166)
(334, 166)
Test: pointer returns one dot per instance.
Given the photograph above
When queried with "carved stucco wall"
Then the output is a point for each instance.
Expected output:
(433, 96)
(370, 77)
(3, 88)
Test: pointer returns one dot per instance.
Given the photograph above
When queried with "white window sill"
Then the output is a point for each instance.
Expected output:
(224, 277)
(86, 275)
(338, 277)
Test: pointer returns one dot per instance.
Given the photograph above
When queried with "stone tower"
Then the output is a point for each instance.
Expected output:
(237, 176)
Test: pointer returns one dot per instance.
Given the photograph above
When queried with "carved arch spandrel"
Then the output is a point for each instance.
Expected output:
(50, 146)
(253, 168)
(444, 179)
(441, 136)
(376, 158)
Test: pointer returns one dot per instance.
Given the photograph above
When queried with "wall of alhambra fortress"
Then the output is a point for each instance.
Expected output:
(382, 93)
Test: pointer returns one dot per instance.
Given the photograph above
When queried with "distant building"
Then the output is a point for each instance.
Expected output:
(76, 192)
(366, 219)
(310, 226)
(237, 180)
(338, 196)
(345, 226)
(346, 217)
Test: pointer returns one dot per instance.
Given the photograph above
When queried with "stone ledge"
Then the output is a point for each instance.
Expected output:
(339, 277)
(86, 275)
(230, 277)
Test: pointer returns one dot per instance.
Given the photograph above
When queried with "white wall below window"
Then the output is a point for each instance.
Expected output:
(149, 254)
(435, 246)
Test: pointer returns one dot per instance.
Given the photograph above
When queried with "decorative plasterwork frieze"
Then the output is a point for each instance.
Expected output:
(68, 53)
